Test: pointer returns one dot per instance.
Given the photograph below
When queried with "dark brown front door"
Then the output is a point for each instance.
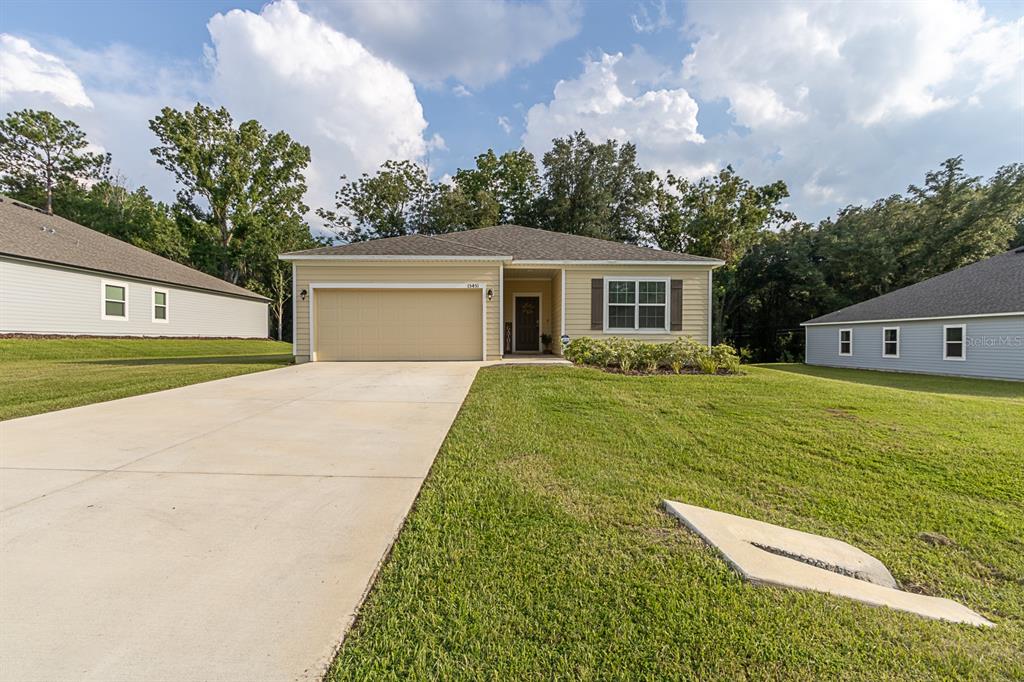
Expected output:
(527, 323)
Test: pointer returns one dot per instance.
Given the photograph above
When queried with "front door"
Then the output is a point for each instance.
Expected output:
(527, 311)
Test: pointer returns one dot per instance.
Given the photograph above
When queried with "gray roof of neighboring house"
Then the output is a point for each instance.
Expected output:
(993, 285)
(510, 241)
(26, 232)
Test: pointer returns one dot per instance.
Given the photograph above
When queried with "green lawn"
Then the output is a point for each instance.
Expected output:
(40, 375)
(537, 549)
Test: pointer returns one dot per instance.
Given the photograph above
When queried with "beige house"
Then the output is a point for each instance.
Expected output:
(490, 292)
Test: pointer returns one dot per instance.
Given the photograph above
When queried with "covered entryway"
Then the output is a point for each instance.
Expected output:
(398, 324)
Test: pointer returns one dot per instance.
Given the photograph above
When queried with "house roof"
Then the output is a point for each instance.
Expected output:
(506, 242)
(991, 286)
(26, 232)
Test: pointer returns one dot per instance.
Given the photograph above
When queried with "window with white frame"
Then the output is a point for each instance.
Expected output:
(954, 342)
(891, 342)
(636, 305)
(159, 305)
(846, 342)
(115, 301)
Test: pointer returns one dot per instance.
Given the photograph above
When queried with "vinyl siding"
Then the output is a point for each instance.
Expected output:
(384, 272)
(995, 347)
(695, 299)
(43, 299)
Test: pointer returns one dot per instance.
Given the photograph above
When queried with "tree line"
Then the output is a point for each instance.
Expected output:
(240, 192)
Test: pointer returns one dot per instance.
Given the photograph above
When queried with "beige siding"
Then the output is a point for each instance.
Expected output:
(695, 298)
(42, 299)
(408, 272)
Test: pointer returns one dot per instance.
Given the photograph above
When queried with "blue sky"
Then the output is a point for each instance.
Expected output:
(846, 103)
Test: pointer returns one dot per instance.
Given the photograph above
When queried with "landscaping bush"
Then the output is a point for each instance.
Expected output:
(631, 356)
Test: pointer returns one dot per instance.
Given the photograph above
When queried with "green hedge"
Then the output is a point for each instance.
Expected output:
(629, 355)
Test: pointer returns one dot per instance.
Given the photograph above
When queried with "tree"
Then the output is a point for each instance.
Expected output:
(395, 201)
(38, 149)
(265, 273)
(719, 217)
(230, 178)
(501, 189)
(960, 220)
(596, 190)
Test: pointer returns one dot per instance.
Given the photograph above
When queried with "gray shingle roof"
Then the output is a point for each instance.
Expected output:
(26, 232)
(512, 241)
(993, 285)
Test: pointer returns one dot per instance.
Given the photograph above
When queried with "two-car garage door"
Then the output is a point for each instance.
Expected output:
(398, 324)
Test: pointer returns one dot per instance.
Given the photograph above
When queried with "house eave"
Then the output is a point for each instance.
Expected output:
(910, 319)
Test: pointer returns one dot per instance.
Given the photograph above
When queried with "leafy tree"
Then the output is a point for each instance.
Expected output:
(596, 190)
(396, 200)
(501, 189)
(39, 150)
(230, 177)
(719, 217)
(265, 273)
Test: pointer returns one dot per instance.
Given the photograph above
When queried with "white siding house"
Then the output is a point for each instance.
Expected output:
(58, 277)
(968, 322)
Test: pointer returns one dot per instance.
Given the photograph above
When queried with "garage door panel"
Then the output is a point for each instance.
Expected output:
(398, 324)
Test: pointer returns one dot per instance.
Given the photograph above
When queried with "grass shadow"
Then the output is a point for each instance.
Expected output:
(923, 383)
(282, 359)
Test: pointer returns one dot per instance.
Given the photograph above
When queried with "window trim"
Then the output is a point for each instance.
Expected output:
(898, 335)
(850, 330)
(963, 342)
(104, 283)
(636, 305)
(153, 291)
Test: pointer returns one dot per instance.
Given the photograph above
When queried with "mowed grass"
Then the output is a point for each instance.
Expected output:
(537, 549)
(40, 375)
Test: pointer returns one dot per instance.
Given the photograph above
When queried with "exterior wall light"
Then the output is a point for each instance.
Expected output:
(302, 294)
(490, 294)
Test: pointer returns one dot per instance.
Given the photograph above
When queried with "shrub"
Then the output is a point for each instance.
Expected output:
(629, 354)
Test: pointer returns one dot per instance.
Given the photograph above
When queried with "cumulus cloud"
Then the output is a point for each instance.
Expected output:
(294, 72)
(662, 123)
(845, 102)
(781, 64)
(26, 70)
(280, 66)
(474, 42)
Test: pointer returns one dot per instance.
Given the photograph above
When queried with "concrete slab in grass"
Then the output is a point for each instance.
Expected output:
(773, 555)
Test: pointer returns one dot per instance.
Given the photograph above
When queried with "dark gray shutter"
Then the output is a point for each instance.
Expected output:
(597, 304)
(676, 306)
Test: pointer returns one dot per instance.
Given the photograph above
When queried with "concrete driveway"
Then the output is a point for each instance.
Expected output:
(221, 531)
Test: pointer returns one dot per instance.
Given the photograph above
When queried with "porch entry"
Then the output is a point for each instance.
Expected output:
(526, 323)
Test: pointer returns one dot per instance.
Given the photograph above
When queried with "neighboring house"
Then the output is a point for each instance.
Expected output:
(58, 277)
(968, 322)
(488, 292)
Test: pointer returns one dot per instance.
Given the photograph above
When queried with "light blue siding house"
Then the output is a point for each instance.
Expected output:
(968, 322)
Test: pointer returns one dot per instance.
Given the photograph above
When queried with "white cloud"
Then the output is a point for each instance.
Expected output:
(651, 17)
(781, 64)
(321, 87)
(26, 70)
(461, 90)
(474, 42)
(662, 123)
(845, 102)
(505, 124)
(281, 66)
